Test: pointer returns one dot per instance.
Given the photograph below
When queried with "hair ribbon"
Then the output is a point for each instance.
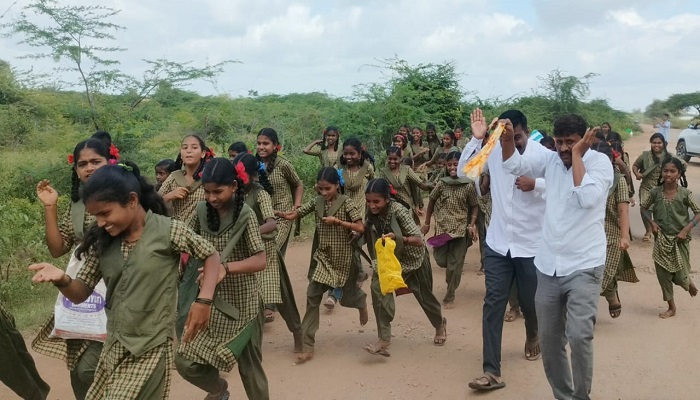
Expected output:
(128, 168)
(392, 191)
(340, 178)
(240, 170)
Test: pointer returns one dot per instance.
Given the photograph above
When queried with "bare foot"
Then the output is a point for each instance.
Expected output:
(298, 344)
(668, 314)
(693, 290)
(512, 314)
(304, 357)
(532, 349)
(364, 316)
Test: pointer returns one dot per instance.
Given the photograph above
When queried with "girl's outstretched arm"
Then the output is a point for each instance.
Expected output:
(49, 198)
(428, 216)
(254, 263)
(198, 318)
(269, 226)
(307, 149)
(74, 289)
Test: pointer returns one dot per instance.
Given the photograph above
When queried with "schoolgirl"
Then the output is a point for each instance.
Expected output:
(274, 280)
(337, 217)
(183, 188)
(136, 249)
(388, 218)
(454, 204)
(666, 209)
(327, 150)
(618, 264)
(234, 331)
(405, 181)
(62, 236)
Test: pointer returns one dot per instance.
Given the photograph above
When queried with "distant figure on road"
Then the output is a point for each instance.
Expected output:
(664, 127)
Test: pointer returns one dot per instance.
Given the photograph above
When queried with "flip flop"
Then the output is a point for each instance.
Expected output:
(269, 316)
(528, 351)
(377, 351)
(440, 340)
(493, 382)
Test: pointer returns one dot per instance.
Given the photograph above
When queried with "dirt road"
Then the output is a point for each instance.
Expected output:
(637, 356)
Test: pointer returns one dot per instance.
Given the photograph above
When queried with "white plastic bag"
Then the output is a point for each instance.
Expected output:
(86, 320)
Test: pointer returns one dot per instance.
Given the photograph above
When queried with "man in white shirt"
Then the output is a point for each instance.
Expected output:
(664, 127)
(571, 257)
(511, 243)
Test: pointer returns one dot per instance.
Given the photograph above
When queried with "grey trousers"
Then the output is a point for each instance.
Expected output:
(566, 313)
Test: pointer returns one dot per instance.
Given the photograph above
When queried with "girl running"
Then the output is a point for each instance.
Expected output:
(274, 280)
(447, 146)
(337, 217)
(136, 248)
(405, 181)
(618, 265)
(288, 191)
(183, 188)
(234, 331)
(449, 198)
(62, 236)
(328, 147)
(666, 209)
(420, 149)
(647, 169)
(431, 139)
(388, 218)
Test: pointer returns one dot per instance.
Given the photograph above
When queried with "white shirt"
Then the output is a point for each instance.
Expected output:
(517, 216)
(665, 129)
(573, 235)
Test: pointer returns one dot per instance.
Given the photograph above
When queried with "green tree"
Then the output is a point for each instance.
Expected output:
(680, 102)
(74, 35)
(566, 91)
(655, 109)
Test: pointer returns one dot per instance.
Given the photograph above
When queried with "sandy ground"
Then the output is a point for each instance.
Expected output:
(637, 356)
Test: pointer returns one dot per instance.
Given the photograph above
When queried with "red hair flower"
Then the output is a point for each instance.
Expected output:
(240, 170)
(616, 154)
(71, 160)
(392, 190)
(114, 152)
(278, 148)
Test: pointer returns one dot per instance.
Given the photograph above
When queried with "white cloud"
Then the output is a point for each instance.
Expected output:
(642, 49)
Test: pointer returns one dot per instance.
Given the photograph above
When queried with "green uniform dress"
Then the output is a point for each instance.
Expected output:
(453, 199)
(275, 285)
(327, 157)
(81, 356)
(356, 183)
(433, 146)
(407, 184)
(212, 350)
(671, 256)
(142, 280)
(618, 264)
(425, 157)
(415, 267)
(183, 209)
(17, 368)
(441, 150)
(484, 218)
(332, 262)
(284, 179)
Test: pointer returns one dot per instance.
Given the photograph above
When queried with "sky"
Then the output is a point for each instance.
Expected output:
(640, 49)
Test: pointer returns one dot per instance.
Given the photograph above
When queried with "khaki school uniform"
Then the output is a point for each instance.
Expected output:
(327, 157)
(356, 184)
(407, 185)
(274, 282)
(417, 148)
(453, 198)
(200, 360)
(284, 179)
(141, 281)
(415, 267)
(332, 262)
(81, 356)
(671, 256)
(618, 264)
(183, 209)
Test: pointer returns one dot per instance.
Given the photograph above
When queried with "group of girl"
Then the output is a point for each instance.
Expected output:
(231, 222)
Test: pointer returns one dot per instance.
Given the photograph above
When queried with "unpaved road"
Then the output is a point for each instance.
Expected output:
(637, 356)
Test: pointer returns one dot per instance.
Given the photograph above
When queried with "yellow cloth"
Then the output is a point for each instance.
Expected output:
(475, 166)
(388, 267)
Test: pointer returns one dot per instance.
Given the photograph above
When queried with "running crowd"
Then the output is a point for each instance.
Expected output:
(200, 256)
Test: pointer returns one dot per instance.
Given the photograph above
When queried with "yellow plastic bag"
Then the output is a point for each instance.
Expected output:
(388, 267)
